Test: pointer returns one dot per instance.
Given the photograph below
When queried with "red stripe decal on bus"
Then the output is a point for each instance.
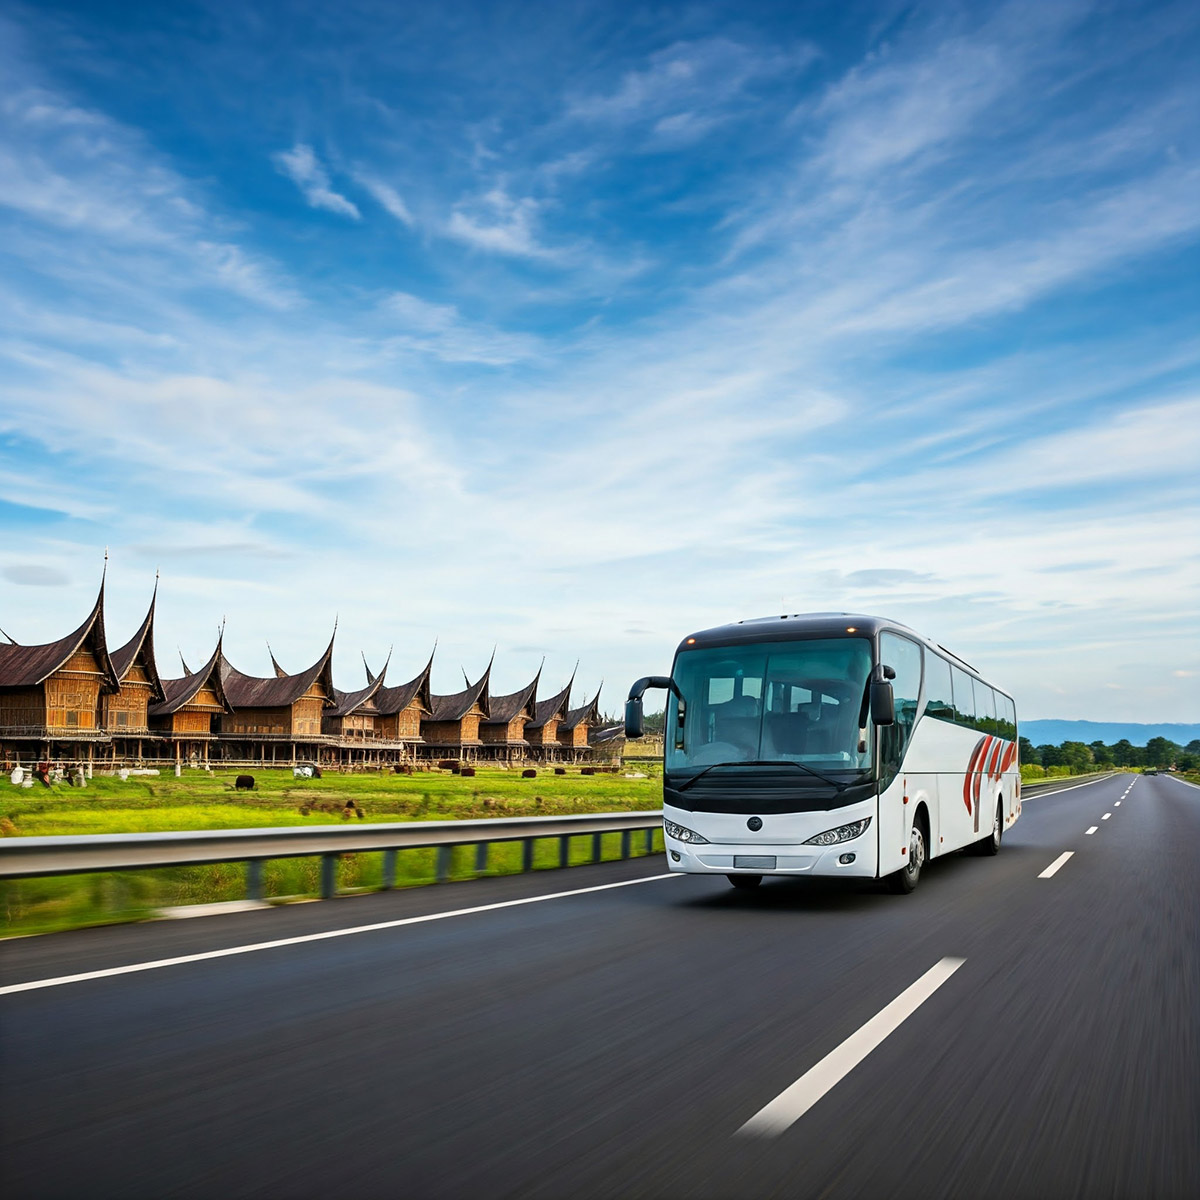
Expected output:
(971, 762)
(1009, 755)
(994, 758)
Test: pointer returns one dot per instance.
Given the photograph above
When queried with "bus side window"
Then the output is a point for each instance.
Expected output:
(985, 703)
(939, 698)
(1007, 716)
(964, 698)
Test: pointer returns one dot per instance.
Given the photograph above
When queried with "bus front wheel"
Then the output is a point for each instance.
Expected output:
(905, 880)
(745, 882)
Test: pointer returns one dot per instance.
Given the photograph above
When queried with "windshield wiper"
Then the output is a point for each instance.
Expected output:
(837, 784)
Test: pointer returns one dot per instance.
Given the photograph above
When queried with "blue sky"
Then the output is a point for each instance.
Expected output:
(570, 328)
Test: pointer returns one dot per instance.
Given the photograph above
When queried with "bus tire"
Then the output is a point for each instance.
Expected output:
(990, 845)
(906, 879)
(744, 882)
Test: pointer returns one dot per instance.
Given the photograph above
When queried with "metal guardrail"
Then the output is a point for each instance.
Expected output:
(28, 857)
(1057, 782)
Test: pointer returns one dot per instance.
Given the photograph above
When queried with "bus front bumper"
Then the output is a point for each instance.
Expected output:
(712, 859)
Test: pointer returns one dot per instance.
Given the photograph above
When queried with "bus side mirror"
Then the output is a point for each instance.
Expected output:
(635, 725)
(883, 703)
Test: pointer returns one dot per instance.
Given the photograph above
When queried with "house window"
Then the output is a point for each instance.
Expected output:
(72, 718)
(122, 719)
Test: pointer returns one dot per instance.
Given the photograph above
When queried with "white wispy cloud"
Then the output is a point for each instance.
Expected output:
(500, 224)
(301, 165)
(386, 197)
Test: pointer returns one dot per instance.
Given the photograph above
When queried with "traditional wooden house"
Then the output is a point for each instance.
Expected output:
(542, 732)
(573, 728)
(125, 712)
(351, 724)
(50, 695)
(451, 730)
(187, 718)
(276, 719)
(502, 732)
(401, 710)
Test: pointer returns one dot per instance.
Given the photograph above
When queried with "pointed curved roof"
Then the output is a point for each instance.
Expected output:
(27, 666)
(178, 692)
(253, 691)
(391, 700)
(456, 706)
(589, 712)
(505, 708)
(348, 702)
(280, 673)
(555, 706)
(141, 642)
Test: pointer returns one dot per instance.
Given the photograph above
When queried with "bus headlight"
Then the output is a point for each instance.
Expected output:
(843, 833)
(680, 834)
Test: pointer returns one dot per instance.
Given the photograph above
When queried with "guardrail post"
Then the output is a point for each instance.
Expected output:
(625, 839)
(650, 840)
(254, 879)
(328, 876)
(389, 870)
(481, 857)
(564, 851)
(596, 847)
(443, 863)
(527, 854)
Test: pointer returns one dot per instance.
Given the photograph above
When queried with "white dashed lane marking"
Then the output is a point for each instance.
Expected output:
(1054, 866)
(792, 1103)
(1092, 830)
(1106, 816)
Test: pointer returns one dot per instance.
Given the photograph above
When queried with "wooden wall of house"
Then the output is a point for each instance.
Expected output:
(442, 733)
(126, 710)
(258, 720)
(404, 726)
(22, 708)
(306, 714)
(192, 721)
(574, 738)
(544, 735)
(355, 725)
(499, 735)
(73, 693)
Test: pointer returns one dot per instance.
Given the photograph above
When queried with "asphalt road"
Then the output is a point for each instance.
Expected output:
(614, 1042)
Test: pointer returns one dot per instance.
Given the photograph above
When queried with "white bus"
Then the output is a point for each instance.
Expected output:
(829, 744)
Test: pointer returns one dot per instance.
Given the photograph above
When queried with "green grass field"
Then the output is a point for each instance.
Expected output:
(202, 801)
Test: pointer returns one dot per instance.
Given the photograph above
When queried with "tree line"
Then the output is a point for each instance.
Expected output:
(1081, 757)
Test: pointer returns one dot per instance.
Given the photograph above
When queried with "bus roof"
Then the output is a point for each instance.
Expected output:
(805, 625)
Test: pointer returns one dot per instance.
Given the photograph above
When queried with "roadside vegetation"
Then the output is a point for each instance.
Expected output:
(199, 800)
(1082, 758)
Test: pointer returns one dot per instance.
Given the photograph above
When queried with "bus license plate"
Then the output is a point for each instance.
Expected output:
(754, 862)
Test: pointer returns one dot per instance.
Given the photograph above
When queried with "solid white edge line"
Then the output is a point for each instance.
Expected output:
(1092, 830)
(792, 1103)
(1052, 869)
(326, 935)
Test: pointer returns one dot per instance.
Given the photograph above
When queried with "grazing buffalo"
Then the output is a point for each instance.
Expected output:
(530, 774)
(587, 771)
(560, 770)
(467, 771)
(244, 783)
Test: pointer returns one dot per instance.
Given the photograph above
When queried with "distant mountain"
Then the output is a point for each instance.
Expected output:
(1041, 733)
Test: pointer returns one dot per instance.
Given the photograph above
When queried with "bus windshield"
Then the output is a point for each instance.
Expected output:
(773, 702)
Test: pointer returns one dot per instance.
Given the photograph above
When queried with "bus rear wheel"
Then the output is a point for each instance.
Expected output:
(744, 882)
(991, 844)
(905, 880)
